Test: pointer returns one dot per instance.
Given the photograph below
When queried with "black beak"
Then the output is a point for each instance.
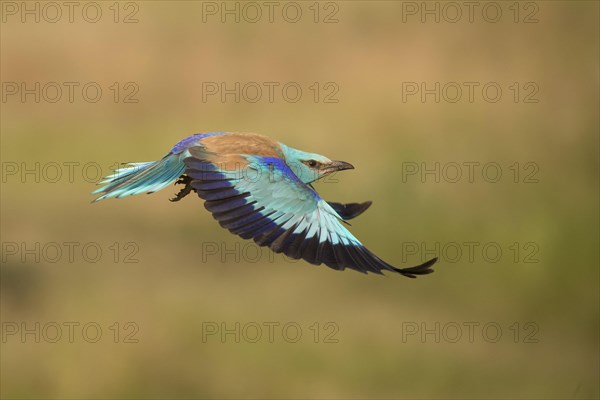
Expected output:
(339, 166)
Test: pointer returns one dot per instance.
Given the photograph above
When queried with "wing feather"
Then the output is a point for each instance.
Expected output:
(277, 210)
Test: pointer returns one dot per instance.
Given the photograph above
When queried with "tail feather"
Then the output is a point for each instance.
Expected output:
(143, 177)
(121, 173)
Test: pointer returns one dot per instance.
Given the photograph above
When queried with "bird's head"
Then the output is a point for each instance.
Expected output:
(309, 167)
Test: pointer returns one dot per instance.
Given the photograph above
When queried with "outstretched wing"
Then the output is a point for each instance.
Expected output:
(260, 198)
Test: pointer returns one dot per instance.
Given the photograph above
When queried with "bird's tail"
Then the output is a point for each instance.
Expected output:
(141, 177)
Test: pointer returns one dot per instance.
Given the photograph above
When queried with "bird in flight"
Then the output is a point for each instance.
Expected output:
(260, 189)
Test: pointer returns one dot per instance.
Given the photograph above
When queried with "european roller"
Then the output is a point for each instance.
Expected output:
(260, 189)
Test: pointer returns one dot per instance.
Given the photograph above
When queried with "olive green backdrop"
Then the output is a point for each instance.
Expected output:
(520, 324)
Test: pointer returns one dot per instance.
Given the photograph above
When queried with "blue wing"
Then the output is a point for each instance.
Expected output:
(266, 202)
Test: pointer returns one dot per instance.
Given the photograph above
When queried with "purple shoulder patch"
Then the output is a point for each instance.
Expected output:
(189, 141)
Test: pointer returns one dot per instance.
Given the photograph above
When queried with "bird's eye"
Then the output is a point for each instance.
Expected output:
(312, 163)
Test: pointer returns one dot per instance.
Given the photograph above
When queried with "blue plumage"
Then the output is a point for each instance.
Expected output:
(260, 189)
(186, 143)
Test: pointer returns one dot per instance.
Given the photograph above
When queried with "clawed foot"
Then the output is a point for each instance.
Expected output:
(184, 179)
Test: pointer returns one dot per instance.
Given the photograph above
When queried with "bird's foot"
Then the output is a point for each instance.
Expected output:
(184, 179)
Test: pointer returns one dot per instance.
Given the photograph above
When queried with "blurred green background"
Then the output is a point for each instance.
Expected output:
(179, 289)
